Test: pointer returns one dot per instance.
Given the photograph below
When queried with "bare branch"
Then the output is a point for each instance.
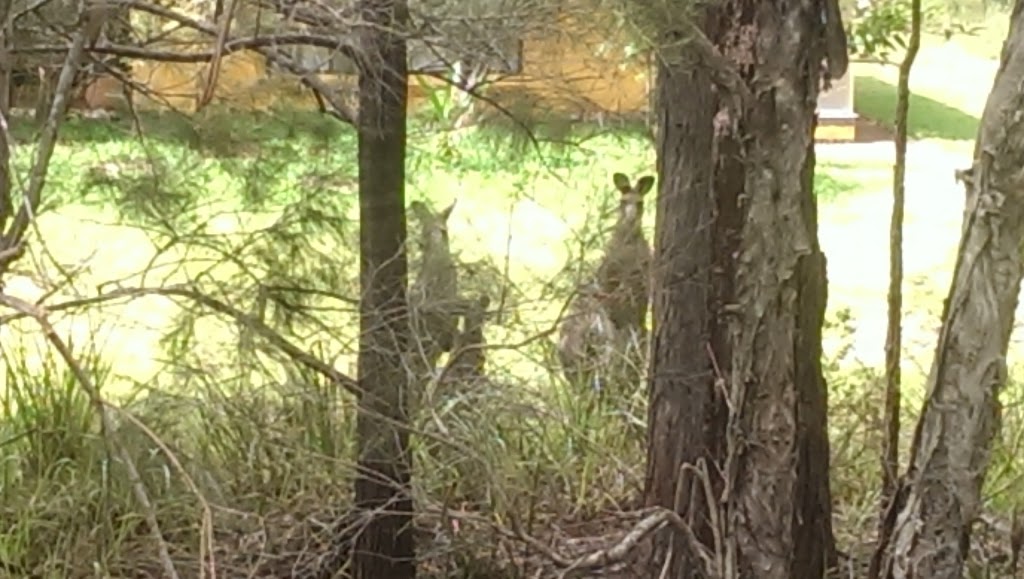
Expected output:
(324, 93)
(654, 519)
(260, 327)
(218, 54)
(230, 46)
(47, 142)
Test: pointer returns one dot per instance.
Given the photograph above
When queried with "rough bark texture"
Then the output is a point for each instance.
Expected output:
(385, 547)
(741, 242)
(685, 421)
(928, 526)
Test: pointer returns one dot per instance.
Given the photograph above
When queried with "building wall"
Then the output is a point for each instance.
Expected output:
(573, 67)
(582, 72)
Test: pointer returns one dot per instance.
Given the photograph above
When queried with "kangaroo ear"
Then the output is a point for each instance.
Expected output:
(446, 213)
(644, 184)
(621, 182)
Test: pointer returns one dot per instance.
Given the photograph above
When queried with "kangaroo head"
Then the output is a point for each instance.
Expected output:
(476, 317)
(631, 204)
(434, 236)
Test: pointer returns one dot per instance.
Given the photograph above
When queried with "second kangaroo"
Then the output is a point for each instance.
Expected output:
(586, 339)
(624, 275)
(434, 296)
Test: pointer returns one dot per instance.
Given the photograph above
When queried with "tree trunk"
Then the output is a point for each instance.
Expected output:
(6, 68)
(737, 237)
(685, 415)
(385, 548)
(927, 529)
(894, 328)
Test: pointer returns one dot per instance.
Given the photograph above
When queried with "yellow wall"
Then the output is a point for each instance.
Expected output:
(569, 67)
(565, 71)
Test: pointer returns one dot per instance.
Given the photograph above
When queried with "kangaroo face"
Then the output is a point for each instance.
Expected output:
(631, 204)
(435, 227)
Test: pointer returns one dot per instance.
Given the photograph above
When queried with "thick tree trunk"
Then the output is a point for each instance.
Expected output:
(741, 242)
(686, 419)
(384, 548)
(927, 531)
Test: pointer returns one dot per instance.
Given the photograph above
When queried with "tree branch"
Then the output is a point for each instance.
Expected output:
(837, 57)
(260, 327)
(338, 108)
(47, 142)
(239, 44)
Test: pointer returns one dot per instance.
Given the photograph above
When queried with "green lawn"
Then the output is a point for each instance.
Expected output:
(520, 212)
(950, 84)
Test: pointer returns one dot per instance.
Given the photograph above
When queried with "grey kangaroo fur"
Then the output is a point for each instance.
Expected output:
(468, 360)
(434, 295)
(586, 339)
(624, 275)
(609, 314)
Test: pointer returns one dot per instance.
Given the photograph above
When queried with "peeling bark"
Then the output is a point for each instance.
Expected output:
(929, 525)
(742, 244)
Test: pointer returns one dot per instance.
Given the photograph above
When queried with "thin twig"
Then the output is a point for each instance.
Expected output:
(47, 143)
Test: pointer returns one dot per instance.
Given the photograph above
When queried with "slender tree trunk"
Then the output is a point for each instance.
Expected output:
(741, 243)
(894, 332)
(6, 69)
(385, 548)
(928, 526)
(894, 337)
(6, 59)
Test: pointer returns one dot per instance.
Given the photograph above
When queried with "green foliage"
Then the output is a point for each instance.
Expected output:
(880, 28)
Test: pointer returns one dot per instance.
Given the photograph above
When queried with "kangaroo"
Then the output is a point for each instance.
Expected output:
(468, 360)
(587, 339)
(624, 274)
(465, 371)
(434, 295)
